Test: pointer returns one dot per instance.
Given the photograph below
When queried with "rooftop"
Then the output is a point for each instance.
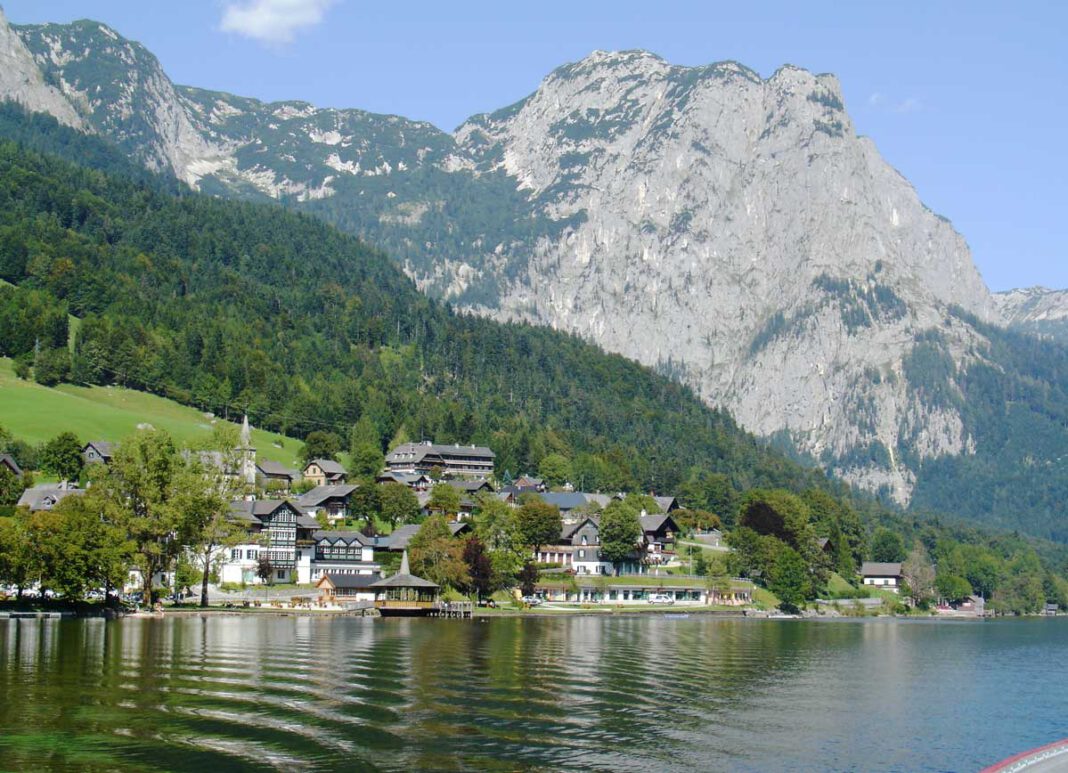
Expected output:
(350, 580)
(104, 447)
(328, 466)
(256, 510)
(404, 578)
(416, 451)
(320, 494)
(268, 467)
(46, 496)
(347, 537)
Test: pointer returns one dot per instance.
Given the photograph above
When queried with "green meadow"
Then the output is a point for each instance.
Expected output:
(36, 413)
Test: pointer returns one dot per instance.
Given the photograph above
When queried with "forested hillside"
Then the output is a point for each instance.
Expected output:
(221, 304)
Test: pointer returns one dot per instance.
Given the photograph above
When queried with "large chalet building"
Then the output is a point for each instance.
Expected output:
(455, 461)
(579, 547)
(299, 551)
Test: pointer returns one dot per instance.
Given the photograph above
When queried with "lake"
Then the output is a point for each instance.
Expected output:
(642, 693)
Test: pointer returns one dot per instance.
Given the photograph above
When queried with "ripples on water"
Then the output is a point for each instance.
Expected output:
(622, 693)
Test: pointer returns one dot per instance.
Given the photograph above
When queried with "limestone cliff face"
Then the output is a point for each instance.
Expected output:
(119, 90)
(735, 231)
(22, 81)
(730, 230)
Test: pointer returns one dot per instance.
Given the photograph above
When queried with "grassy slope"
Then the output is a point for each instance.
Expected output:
(35, 413)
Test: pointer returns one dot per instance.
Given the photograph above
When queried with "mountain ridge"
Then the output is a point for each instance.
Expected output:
(770, 257)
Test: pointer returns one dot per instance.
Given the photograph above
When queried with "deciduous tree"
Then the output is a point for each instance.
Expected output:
(918, 573)
(788, 578)
(619, 531)
(444, 500)
(17, 552)
(397, 504)
(479, 568)
(952, 587)
(555, 469)
(62, 456)
(139, 487)
(204, 492)
(367, 461)
(539, 523)
(320, 445)
(887, 547)
(436, 555)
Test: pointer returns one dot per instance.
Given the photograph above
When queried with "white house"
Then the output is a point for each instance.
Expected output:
(297, 549)
(881, 575)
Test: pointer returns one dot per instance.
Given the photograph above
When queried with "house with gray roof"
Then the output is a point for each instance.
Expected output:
(579, 547)
(98, 451)
(324, 471)
(275, 472)
(452, 460)
(398, 541)
(330, 499)
(658, 536)
(47, 496)
(881, 574)
(666, 504)
(414, 481)
(566, 501)
(343, 553)
(343, 589)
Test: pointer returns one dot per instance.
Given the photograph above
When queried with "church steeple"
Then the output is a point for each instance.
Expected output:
(248, 454)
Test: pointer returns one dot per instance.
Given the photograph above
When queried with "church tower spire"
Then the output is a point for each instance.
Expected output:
(248, 454)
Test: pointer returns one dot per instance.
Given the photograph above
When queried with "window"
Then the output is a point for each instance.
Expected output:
(235, 555)
(252, 554)
(281, 574)
(582, 554)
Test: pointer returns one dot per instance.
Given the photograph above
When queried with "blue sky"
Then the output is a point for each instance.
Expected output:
(967, 100)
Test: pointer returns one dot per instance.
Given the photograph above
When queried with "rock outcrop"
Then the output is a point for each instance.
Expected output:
(1035, 310)
(22, 81)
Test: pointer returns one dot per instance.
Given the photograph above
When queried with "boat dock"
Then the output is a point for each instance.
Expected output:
(458, 609)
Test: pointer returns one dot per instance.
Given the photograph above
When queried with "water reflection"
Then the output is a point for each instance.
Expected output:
(619, 693)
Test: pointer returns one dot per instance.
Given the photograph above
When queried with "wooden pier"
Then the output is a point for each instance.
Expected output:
(458, 609)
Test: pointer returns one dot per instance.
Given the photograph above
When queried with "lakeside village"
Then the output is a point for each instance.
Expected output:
(435, 533)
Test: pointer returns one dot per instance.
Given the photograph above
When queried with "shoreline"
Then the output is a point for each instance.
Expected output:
(543, 613)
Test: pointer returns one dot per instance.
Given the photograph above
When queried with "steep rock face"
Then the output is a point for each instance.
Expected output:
(22, 81)
(1035, 309)
(119, 90)
(736, 232)
(730, 230)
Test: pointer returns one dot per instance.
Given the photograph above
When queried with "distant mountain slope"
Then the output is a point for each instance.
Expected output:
(1036, 310)
(217, 304)
(769, 257)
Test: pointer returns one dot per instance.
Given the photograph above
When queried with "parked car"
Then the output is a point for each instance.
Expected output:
(661, 598)
(531, 601)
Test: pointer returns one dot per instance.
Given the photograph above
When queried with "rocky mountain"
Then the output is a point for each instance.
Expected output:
(22, 81)
(1036, 310)
(730, 230)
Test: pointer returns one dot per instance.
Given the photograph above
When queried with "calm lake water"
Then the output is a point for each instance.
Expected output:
(628, 693)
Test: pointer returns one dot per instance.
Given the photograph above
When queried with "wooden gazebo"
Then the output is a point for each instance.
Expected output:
(405, 595)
